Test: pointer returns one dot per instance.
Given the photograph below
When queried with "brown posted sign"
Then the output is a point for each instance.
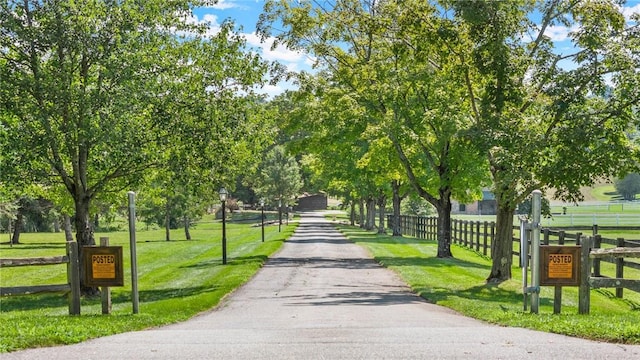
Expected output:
(103, 266)
(560, 265)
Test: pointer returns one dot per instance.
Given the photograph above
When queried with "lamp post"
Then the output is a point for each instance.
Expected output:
(279, 215)
(223, 199)
(262, 216)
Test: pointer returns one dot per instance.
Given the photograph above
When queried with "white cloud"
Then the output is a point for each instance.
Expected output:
(222, 5)
(628, 11)
(279, 53)
(558, 33)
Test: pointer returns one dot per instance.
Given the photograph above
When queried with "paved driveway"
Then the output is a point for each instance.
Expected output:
(322, 297)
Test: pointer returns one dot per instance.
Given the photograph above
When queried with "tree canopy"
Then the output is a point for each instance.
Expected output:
(96, 94)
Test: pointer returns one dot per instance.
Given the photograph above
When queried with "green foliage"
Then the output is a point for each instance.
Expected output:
(538, 119)
(628, 186)
(386, 107)
(95, 94)
(415, 205)
(278, 177)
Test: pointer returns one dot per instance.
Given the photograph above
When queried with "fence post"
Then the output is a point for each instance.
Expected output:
(597, 243)
(620, 269)
(545, 239)
(135, 298)
(105, 291)
(484, 243)
(478, 236)
(466, 233)
(73, 276)
(584, 291)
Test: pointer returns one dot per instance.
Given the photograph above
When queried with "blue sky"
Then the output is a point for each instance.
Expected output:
(245, 14)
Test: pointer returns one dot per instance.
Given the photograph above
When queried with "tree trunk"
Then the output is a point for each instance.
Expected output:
(352, 217)
(444, 227)
(395, 219)
(361, 219)
(84, 228)
(167, 222)
(370, 222)
(382, 204)
(502, 246)
(56, 225)
(68, 233)
(17, 228)
(187, 234)
(84, 236)
(167, 229)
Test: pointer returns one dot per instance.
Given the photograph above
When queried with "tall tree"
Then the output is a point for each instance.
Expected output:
(376, 52)
(628, 186)
(97, 90)
(544, 116)
(278, 178)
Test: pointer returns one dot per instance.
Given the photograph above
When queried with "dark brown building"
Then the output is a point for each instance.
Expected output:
(310, 202)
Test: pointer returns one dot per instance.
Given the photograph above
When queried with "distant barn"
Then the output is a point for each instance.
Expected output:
(310, 202)
(487, 206)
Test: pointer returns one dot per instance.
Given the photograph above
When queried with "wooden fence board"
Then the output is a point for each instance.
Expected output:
(25, 290)
(34, 261)
(597, 282)
(620, 252)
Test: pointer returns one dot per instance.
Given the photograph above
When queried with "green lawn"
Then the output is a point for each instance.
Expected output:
(459, 283)
(177, 279)
(181, 278)
(604, 193)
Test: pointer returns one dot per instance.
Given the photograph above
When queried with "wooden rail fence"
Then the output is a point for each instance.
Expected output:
(73, 276)
(478, 235)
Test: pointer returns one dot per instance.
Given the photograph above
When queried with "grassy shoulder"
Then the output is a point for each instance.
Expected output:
(459, 283)
(176, 280)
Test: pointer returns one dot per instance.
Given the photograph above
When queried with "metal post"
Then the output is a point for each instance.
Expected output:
(134, 262)
(536, 208)
(262, 217)
(524, 260)
(224, 235)
(279, 215)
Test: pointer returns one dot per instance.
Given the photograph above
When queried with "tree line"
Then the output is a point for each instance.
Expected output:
(442, 98)
(101, 97)
(436, 99)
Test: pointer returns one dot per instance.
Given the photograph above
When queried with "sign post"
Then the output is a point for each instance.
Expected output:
(132, 242)
(103, 266)
(106, 291)
(536, 210)
(560, 266)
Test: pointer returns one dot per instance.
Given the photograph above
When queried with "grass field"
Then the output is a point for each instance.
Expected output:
(177, 279)
(459, 283)
(181, 278)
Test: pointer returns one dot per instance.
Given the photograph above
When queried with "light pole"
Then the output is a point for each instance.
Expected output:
(223, 199)
(279, 215)
(262, 216)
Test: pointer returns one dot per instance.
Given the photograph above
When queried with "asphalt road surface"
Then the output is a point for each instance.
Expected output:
(322, 297)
